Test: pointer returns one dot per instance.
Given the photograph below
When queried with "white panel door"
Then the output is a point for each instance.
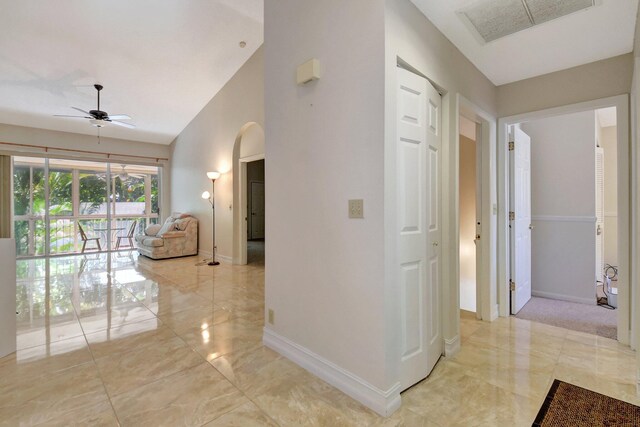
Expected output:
(599, 213)
(257, 210)
(520, 219)
(419, 230)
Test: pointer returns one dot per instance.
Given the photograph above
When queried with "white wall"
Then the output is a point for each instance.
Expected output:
(76, 141)
(600, 79)
(563, 206)
(7, 297)
(609, 144)
(252, 141)
(207, 144)
(467, 223)
(324, 146)
(330, 279)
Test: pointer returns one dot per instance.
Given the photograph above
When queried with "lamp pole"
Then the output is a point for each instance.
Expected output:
(213, 176)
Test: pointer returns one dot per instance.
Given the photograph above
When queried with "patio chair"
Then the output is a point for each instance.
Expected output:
(85, 239)
(128, 236)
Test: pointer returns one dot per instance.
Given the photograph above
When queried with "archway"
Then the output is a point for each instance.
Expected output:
(248, 148)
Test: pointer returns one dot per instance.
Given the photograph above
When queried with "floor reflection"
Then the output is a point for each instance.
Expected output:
(118, 339)
(56, 295)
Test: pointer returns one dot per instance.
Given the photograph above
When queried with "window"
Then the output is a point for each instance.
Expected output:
(60, 201)
(103, 199)
(29, 206)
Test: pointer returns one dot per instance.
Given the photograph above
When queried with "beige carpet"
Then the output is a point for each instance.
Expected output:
(569, 315)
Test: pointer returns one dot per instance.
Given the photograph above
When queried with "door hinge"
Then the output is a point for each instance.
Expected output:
(512, 216)
(512, 145)
(512, 285)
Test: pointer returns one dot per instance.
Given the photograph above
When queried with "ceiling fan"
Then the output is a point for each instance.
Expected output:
(124, 174)
(100, 118)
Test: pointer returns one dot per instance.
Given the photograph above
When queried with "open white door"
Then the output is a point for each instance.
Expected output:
(520, 217)
(419, 230)
(599, 214)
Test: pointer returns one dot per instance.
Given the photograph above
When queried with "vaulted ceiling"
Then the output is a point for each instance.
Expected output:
(160, 61)
(599, 32)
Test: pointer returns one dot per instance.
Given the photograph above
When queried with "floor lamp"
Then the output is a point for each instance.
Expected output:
(212, 176)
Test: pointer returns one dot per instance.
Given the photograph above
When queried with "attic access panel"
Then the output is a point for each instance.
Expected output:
(490, 20)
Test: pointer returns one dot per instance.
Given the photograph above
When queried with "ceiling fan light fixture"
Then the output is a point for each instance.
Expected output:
(99, 118)
(98, 123)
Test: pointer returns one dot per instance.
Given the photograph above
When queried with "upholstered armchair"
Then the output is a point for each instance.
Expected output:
(177, 237)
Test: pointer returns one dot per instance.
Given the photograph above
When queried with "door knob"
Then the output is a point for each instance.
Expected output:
(531, 227)
(435, 243)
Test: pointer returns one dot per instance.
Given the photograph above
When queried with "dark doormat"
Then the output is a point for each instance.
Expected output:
(570, 405)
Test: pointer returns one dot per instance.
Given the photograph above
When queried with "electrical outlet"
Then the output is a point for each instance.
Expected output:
(271, 317)
(356, 208)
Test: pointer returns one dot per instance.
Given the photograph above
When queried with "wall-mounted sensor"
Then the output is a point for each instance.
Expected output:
(308, 71)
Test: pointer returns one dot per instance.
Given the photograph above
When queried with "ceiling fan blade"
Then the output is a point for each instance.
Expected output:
(77, 117)
(119, 117)
(123, 124)
(81, 110)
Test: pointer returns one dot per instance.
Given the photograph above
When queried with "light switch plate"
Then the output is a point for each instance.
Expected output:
(356, 208)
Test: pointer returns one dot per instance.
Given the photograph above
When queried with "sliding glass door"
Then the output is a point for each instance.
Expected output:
(60, 201)
(29, 206)
(69, 206)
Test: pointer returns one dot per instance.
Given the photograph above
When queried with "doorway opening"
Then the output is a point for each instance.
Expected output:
(249, 196)
(470, 213)
(475, 249)
(255, 212)
(564, 231)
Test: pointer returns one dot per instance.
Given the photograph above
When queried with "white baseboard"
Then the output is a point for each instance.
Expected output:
(220, 258)
(551, 295)
(224, 258)
(382, 402)
(495, 312)
(452, 346)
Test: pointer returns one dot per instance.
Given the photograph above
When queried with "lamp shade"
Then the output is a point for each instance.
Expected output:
(213, 175)
(206, 195)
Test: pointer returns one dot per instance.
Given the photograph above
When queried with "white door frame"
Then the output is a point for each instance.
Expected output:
(626, 207)
(486, 302)
(242, 203)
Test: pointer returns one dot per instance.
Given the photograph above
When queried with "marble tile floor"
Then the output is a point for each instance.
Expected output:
(129, 341)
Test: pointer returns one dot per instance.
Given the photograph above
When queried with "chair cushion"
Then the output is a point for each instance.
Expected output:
(154, 242)
(152, 230)
(181, 224)
(173, 234)
(169, 225)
